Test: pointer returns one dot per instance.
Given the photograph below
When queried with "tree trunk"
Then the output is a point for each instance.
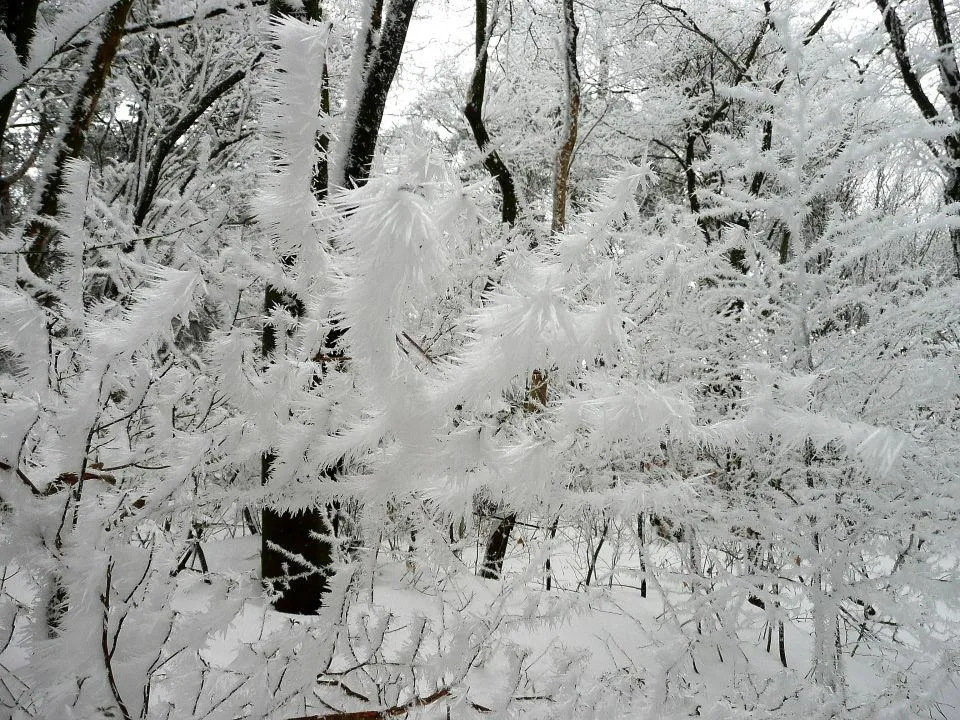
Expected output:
(538, 389)
(286, 536)
(497, 548)
(474, 113)
(571, 119)
(301, 534)
(949, 154)
(951, 196)
(950, 89)
(42, 256)
(381, 68)
(18, 20)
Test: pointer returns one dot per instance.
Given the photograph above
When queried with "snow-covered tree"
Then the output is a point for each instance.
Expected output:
(618, 378)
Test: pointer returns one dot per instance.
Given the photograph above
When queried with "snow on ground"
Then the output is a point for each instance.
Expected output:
(601, 652)
(437, 632)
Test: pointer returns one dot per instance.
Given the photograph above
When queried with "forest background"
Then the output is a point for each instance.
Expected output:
(580, 360)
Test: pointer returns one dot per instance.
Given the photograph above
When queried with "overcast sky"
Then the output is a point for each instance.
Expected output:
(439, 42)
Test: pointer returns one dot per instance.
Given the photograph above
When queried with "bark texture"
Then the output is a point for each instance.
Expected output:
(381, 67)
(571, 119)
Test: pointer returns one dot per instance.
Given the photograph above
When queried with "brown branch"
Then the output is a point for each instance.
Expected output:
(424, 353)
(348, 691)
(22, 476)
(395, 711)
(65, 480)
(571, 120)
(404, 709)
(105, 645)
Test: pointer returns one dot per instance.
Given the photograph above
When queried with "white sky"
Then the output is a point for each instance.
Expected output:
(439, 42)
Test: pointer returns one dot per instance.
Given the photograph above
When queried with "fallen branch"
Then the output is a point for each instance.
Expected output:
(395, 711)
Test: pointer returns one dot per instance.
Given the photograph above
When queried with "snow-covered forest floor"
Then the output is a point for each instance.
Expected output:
(431, 638)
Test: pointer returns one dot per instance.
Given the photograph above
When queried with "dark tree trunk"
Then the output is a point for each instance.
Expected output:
(284, 535)
(497, 548)
(474, 113)
(539, 383)
(950, 89)
(42, 256)
(381, 68)
(949, 153)
(18, 20)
